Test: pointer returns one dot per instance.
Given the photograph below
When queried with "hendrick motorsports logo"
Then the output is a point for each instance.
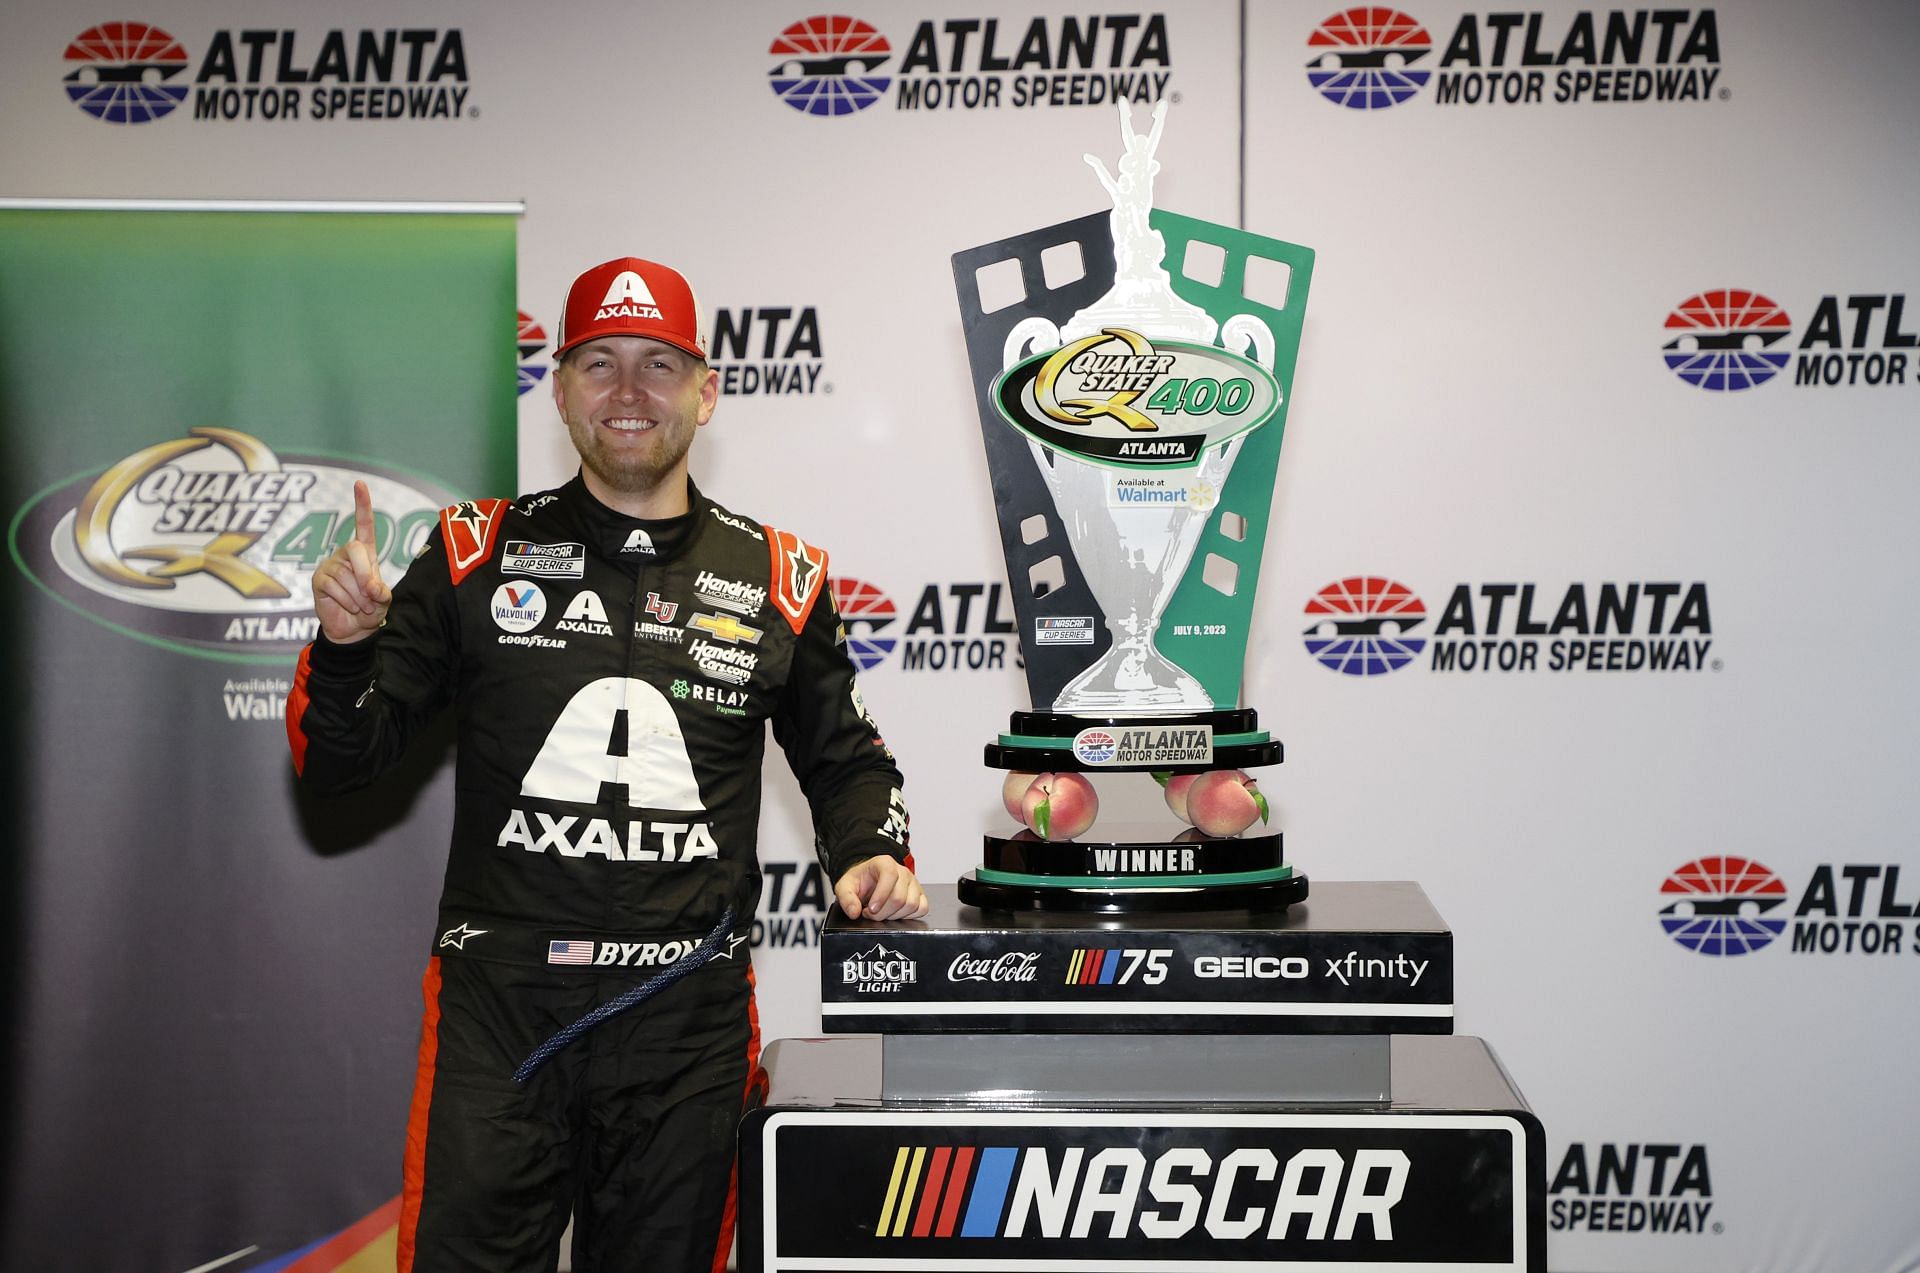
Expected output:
(126, 73)
(1117, 399)
(1370, 58)
(207, 543)
(1734, 338)
(837, 65)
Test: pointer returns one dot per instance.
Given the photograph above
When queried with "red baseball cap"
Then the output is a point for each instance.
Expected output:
(631, 297)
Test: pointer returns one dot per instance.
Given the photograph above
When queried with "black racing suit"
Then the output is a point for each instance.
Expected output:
(612, 680)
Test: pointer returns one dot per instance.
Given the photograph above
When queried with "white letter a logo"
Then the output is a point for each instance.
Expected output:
(628, 286)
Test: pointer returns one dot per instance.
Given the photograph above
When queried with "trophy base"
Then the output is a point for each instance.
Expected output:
(1271, 890)
(1040, 742)
(1129, 853)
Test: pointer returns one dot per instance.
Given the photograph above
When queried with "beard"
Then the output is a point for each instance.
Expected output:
(633, 470)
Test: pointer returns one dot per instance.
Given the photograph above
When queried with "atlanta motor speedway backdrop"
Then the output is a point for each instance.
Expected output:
(1607, 398)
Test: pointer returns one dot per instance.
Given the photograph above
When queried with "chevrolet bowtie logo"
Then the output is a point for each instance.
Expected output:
(726, 627)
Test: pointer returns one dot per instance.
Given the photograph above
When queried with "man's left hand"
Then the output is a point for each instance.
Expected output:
(880, 888)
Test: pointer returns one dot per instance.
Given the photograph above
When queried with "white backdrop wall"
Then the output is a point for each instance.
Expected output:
(1481, 400)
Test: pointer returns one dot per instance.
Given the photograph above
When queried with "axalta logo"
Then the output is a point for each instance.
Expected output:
(1028, 1191)
(767, 349)
(1371, 58)
(878, 970)
(1632, 1188)
(207, 543)
(1128, 403)
(1730, 905)
(834, 65)
(126, 73)
(531, 339)
(1365, 625)
(122, 72)
(1734, 338)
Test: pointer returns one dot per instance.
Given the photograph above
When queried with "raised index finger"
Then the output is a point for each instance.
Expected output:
(363, 514)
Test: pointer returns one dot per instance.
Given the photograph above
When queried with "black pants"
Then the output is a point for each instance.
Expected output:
(630, 1129)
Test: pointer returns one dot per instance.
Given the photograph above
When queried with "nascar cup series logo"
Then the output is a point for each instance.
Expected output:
(207, 543)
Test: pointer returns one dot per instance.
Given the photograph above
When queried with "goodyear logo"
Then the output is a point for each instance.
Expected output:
(1118, 399)
(207, 543)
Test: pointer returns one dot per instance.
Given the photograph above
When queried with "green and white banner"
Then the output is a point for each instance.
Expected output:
(210, 984)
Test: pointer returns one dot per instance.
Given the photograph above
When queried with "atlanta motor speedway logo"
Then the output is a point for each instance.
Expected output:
(207, 543)
(832, 65)
(1731, 339)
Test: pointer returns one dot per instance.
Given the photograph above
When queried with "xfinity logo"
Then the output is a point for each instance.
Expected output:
(1351, 968)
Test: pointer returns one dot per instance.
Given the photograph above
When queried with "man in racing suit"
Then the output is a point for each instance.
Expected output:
(613, 649)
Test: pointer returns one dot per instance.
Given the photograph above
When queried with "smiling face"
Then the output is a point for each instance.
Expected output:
(631, 405)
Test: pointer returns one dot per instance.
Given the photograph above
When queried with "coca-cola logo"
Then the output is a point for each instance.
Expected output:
(1012, 966)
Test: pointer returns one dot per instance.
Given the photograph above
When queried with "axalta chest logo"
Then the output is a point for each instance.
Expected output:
(1371, 625)
(834, 65)
(1372, 58)
(1735, 338)
(1725, 906)
(132, 73)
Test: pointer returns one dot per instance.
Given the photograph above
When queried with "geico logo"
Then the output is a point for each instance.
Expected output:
(629, 954)
(1254, 967)
(1191, 1191)
(576, 837)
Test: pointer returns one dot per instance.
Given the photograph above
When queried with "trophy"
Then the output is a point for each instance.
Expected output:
(1132, 417)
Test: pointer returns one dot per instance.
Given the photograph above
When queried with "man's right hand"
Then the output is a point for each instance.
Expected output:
(348, 593)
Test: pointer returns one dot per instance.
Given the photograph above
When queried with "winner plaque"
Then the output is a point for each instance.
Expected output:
(1132, 397)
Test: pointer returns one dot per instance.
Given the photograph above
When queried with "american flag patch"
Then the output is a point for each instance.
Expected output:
(569, 952)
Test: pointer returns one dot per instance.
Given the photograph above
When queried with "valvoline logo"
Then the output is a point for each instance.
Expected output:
(862, 604)
(1717, 906)
(531, 338)
(120, 72)
(827, 65)
(1366, 58)
(1362, 626)
(1723, 339)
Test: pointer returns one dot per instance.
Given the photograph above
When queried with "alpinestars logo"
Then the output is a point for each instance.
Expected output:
(1362, 626)
(1371, 58)
(1719, 906)
(1646, 1188)
(832, 65)
(1734, 338)
(121, 72)
(865, 612)
(1367, 58)
(531, 338)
